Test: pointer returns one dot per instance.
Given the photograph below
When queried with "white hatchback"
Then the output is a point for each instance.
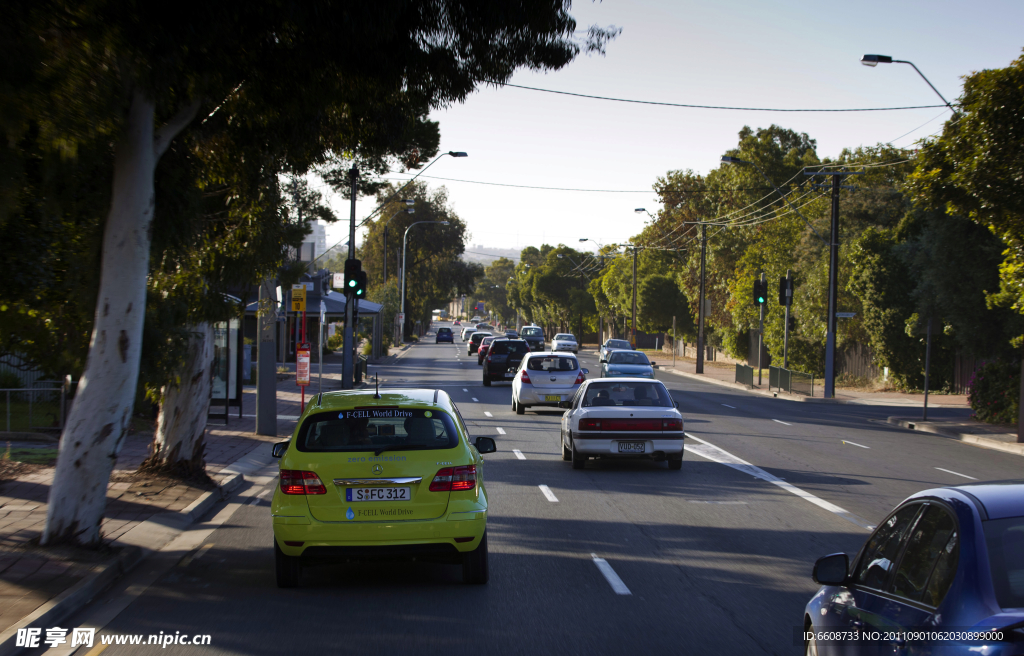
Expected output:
(565, 342)
(546, 379)
(622, 418)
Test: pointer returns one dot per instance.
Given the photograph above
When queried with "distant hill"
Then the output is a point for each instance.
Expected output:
(486, 255)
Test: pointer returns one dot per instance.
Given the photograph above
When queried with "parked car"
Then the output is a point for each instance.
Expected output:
(430, 487)
(565, 342)
(613, 345)
(474, 341)
(503, 360)
(534, 336)
(627, 363)
(444, 334)
(945, 563)
(546, 379)
(624, 418)
(481, 350)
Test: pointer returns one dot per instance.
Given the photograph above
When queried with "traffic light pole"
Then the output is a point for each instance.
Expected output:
(349, 343)
(632, 330)
(700, 309)
(760, 330)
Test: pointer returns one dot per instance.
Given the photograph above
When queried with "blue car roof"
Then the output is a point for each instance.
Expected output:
(1001, 500)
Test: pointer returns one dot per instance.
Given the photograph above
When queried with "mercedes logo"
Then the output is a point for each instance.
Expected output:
(378, 470)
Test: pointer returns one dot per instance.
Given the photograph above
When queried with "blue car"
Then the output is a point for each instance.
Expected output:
(444, 334)
(943, 574)
(631, 364)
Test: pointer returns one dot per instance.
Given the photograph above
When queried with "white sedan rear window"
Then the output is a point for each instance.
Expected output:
(552, 363)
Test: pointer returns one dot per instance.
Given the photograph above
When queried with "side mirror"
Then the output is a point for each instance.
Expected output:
(565, 404)
(603, 361)
(485, 445)
(585, 371)
(831, 569)
(677, 404)
(278, 449)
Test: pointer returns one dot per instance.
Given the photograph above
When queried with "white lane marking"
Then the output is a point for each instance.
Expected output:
(476, 400)
(855, 444)
(464, 389)
(519, 454)
(782, 422)
(729, 406)
(609, 574)
(487, 414)
(548, 493)
(950, 471)
(501, 431)
(708, 450)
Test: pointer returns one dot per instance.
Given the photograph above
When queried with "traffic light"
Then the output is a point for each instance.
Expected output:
(359, 291)
(352, 270)
(785, 284)
(760, 292)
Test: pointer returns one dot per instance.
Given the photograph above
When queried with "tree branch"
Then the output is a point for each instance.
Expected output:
(178, 122)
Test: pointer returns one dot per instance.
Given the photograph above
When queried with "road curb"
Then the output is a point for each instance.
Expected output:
(105, 574)
(743, 388)
(968, 438)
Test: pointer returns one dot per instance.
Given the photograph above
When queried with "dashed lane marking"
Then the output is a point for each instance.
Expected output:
(950, 471)
(501, 431)
(609, 574)
(476, 400)
(487, 414)
(717, 454)
(464, 389)
(782, 422)
(548, 493)
(729, 406)
(855, 444)
(519, 454)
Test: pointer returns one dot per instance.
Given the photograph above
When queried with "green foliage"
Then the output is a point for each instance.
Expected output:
(975, 167)
(10, 380)
(659, 299)
(995, 392)
(336, 341)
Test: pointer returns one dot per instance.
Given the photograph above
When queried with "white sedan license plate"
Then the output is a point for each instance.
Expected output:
(377, 494)
(631, 447)
(553, 397)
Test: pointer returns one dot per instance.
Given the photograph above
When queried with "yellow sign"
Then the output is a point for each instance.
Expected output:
(298, 298)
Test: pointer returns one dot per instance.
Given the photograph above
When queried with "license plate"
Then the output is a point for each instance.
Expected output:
(509, 375)
(631, 447)
(377, 494)
(553, 398)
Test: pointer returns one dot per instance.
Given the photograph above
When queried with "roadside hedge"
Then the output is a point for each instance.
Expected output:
(995, 392)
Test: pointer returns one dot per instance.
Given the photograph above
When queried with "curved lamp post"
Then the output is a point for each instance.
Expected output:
(408, 210)
(875, 60)
(405, 239)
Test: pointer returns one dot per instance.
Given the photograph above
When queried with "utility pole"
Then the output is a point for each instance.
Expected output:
(787, 298)
(927, 363)
(760, 329)
(266, 377)
(348, 348)
(700, 309)
(632, 339)
(833, 281)
(675, 341)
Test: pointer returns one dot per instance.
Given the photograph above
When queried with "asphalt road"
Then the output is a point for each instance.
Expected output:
(623, 557)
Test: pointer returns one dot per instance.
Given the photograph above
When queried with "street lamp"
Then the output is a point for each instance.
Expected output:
(875, 60)
(404, 241)
(408, 210)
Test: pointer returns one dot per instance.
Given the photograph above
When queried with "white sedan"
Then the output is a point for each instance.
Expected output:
(565, 342)
(622, 418)
(546, 379)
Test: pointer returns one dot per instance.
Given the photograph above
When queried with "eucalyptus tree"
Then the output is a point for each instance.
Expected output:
(311, 78)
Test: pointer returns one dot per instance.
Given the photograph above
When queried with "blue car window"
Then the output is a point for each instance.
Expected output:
(933, 539)
(883, 547)
(1005, 541)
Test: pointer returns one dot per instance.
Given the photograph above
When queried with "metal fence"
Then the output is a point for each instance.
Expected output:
(791, 381)
(745, 375)
(31, 409)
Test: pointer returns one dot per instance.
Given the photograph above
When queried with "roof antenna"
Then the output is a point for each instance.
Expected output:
(376, 386)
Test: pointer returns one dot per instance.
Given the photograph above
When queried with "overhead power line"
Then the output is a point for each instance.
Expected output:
(739, 109)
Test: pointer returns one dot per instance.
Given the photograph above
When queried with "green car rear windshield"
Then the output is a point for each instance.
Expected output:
(377, 428)
(628, 357)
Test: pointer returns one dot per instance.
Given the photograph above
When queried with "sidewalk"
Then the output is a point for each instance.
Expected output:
(999, 437)
(31, 576)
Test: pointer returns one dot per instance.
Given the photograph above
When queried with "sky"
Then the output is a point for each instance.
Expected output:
(740, 53)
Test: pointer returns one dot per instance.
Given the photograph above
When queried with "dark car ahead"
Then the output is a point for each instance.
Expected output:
(534, 336)
(444, 334)
(943, 574)
(474, 341)
(503, 359)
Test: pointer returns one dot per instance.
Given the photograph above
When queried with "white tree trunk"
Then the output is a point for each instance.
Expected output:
(181, 426)
(102, 411)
